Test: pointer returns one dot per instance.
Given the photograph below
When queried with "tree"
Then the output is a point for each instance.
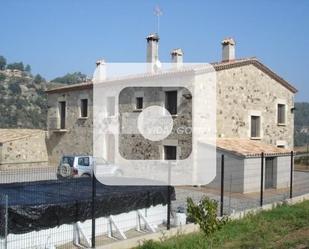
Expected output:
(38, 79)
(15, 88)
(28, 68)
(2, 62)
(16, 65)
(71, 78)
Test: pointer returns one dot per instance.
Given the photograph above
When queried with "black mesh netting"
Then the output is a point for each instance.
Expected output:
(46, 204)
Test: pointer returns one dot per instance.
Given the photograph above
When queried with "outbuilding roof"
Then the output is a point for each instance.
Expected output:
(218, 66)
(249, 148)
(7, 135)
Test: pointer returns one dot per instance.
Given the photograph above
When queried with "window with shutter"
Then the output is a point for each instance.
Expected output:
(171, 102)
(139, 103)
(84, 108)
(255, 126)
(281, 114)
(62, 112)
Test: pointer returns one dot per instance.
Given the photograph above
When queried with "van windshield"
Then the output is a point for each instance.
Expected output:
(69, 160)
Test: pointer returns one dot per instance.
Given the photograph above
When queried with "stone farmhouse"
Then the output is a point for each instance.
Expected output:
(254, 112)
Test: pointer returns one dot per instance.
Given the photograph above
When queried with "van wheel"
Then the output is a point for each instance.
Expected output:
(85, 175)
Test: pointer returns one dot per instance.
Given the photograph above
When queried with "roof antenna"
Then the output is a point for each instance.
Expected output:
(158, 12)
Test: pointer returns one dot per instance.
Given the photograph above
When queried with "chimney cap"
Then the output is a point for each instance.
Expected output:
(228, 41)
(100, 62)
(153, 37)
(177, 51)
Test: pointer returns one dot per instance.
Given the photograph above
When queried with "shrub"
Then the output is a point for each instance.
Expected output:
(2, 77)
(205, 215)
(15, 88)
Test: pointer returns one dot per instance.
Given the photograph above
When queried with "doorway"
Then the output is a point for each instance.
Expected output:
(269, 172)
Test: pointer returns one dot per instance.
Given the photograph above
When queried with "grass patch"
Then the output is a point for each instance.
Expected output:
(283, 227)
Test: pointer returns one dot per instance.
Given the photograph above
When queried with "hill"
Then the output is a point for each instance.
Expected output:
(22, 100)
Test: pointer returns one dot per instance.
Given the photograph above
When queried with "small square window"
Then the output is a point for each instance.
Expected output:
(255, 126)
(281, 114)
(139, 103)
(84, 108)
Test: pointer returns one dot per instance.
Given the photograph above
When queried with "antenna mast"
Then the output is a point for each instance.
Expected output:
(158, 12)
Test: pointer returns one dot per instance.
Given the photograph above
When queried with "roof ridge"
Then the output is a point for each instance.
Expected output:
(219, 66)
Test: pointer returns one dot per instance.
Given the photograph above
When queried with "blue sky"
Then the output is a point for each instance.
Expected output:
(60, 36)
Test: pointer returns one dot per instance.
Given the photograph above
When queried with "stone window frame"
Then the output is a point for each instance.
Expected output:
(258, 114)
(62, 99)
(170, 142)
(80, 98)
(138, 94)
(81, 107)
(179, 95)
(281, 102)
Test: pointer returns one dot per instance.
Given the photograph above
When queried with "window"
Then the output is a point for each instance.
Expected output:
(255, 126)
(84, 108)
(281, 114)
(83, 161)
(281, 146)
(171, 102)
(62, 111)
(68, 160)
(139, 103)
(170, 152)
(110, 106)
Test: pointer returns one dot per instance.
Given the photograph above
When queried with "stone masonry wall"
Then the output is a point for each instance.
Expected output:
(77, 137)
(25, 152)
(241, 91)
(244, 90)
(135, 146)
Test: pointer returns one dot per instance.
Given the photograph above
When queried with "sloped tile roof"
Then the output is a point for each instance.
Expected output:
(249, 148)
(7, 135)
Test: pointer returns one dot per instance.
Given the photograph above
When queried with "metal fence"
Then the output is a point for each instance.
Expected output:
(97, 230)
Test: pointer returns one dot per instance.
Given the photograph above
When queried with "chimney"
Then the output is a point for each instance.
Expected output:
(228, 49)
(152, 51)
(177, 57)
(99, 74)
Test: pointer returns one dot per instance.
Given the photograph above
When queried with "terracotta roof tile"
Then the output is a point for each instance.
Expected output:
(249, 148)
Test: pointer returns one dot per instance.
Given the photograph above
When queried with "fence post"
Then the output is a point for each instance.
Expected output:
(291, 175)
(93, 210)
(222, 185)
(262, 179)
(168, 222)
(6, 222)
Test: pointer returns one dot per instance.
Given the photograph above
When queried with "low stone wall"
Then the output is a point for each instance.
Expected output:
(25, 152)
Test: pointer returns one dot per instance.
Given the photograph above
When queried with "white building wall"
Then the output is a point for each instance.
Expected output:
(282, 171)
(252, 175)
